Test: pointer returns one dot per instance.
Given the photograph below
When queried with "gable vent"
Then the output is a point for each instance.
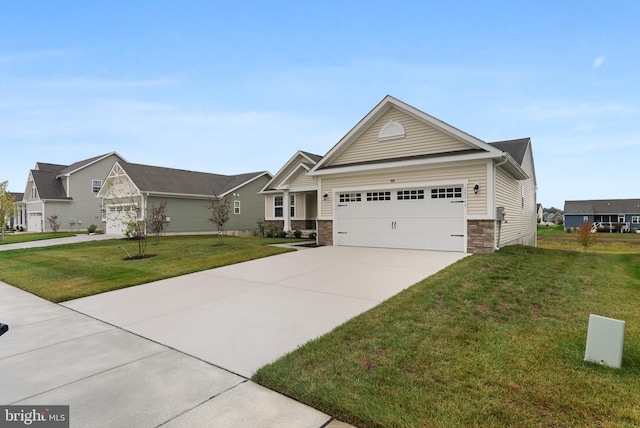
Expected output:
(391, 130)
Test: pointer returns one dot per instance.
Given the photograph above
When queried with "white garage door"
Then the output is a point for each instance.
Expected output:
(416, 218)
(34, 222)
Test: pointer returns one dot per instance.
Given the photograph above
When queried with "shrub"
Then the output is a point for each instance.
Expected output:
(297, 234)
(92, 228)
(312, 235)
(282, 234)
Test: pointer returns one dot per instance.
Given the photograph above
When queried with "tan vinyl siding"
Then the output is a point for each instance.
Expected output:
(419, 139)
(517, 198)
(302, 180)
(282, 175)
(472, 172)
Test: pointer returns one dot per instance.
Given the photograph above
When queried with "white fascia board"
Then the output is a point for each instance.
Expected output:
(248, 181)
(292, 160)
(270, 192)
(91, 163)
(380, 109)
(112, 175)
(292, 174)
(400, 164)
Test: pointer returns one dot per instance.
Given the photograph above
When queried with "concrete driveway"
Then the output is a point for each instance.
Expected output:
(243, 316)
(179, 352)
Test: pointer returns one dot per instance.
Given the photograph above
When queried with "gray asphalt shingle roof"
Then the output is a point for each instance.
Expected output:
(156, 179)
(602, 206)
(516, 148)
(47, 185)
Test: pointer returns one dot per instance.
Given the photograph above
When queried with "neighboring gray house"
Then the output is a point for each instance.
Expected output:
(620, 215)
(131, 190)
(68, 191)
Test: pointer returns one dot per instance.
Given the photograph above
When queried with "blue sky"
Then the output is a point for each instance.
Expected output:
(233, 87)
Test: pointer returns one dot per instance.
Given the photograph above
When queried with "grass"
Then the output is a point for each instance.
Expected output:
(65, 272)
(10, 238)
(555, 238)
(494, 340)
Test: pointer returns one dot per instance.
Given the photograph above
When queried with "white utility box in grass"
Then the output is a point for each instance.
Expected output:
(605, 339)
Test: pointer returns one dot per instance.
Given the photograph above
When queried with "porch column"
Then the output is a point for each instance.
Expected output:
(286, 211)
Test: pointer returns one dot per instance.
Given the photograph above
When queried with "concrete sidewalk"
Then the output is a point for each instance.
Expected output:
(112, 378)
(57, 241)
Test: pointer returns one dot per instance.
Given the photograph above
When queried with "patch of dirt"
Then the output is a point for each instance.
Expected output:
(146, 256)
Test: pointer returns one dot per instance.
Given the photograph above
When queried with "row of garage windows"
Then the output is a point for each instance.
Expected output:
(403, 195)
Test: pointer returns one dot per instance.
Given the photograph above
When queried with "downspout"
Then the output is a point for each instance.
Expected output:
(504, 155)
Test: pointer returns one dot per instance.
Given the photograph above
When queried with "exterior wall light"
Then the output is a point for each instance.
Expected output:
(325, 197)
(476, 188)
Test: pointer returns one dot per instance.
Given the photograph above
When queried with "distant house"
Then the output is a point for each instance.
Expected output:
(401, 178)
(134, 188)
(540, 212)
(68, 191)
(18, 219)
(607, 214)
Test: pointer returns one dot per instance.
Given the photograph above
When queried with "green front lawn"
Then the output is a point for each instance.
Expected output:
(494, 340)
(67, 272)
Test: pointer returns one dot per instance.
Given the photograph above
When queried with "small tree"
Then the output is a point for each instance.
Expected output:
(220, 213)
(54, 223)
(7, 207)
(586, 235)
(157, 220)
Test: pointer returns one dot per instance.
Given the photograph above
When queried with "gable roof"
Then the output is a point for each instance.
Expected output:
(475, 148)
(169, 181)
(46, 176)
(48, 186)
(84, 163)
(602, 206)
(18, 196)
(516, 148)
(300, 159)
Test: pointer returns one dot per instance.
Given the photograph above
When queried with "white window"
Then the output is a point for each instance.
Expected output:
(404, 195)
(236, 207)
(277, 205)
(350, 197)
(635, 219)
(34, 192)
(446, 192)
(96, 185)
(292, 205)
(585, 218)
(378, 196)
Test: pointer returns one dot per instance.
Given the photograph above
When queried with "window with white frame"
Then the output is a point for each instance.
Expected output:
(236, 207)
(96, 185)
(404, 195)
(446, 192)
(292, 205)
(277, 206)
(350, 197)
(378, 196)
(34, 192)
(635, 219)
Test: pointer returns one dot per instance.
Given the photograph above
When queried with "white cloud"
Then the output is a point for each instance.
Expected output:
(597, 63)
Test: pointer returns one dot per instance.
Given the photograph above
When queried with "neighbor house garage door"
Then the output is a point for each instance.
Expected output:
(417, 218)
